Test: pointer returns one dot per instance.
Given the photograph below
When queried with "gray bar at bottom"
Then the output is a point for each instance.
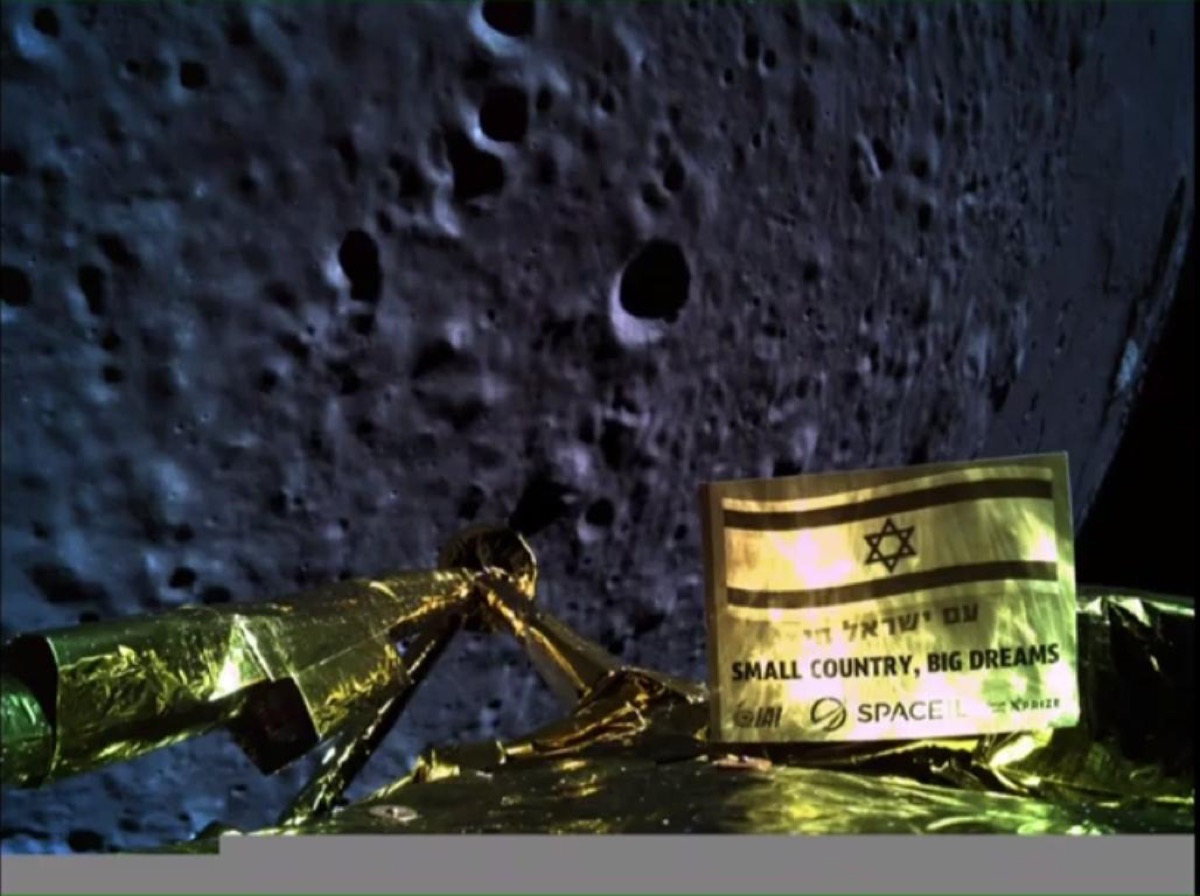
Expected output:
(614, 864)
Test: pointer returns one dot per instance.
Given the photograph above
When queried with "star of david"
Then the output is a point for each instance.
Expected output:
(904, 546)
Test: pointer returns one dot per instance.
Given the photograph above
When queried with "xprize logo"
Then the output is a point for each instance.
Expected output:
(828, 714)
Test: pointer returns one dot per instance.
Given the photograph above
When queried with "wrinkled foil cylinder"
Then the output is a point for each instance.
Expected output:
(27, 746)
(281, 676)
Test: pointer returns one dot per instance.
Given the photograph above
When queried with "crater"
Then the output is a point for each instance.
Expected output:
(656, 282)
(476, 173)
(15, 288)
(193, 75)
(359, 259)
(512, 18)
(504, 114)
(46, 22)
(543, 502)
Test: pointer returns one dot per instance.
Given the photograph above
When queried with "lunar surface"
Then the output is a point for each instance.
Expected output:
(292, 293)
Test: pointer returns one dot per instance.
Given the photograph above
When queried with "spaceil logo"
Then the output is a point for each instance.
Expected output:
(828, 714)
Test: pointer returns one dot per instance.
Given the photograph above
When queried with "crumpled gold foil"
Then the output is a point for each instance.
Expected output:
(633, 757)
(282, 677)
(28, 741)
(631, 754)
(358, 742)
(612, 794)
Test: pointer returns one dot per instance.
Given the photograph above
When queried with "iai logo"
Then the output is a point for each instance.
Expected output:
(758, 717)
(828, 714)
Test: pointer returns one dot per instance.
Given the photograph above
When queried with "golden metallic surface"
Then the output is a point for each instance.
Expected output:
(568, 663)
(346, 758)
(633, 758)
(629, 795)
(932, 601)
(629, 712)
(282, 677)
(497, 550)
(573, 666)
(632, 754)
(1132, 748)
(27, 745)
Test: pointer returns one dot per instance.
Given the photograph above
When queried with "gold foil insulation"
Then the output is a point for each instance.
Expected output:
(633, 757)
(358, 742)
(633, 751)
(613, 794)
(282, 676)
(27, 747)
